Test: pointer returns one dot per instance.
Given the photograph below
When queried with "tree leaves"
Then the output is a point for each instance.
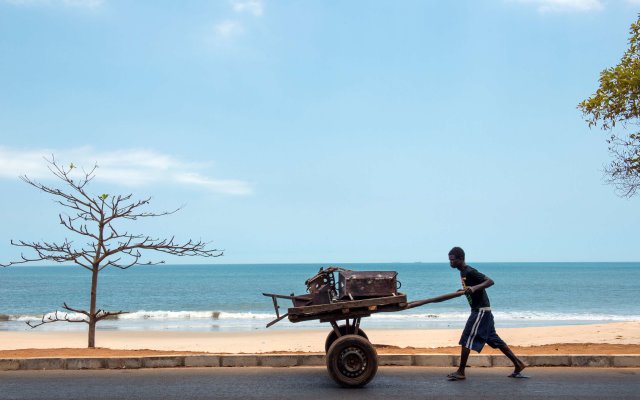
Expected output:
(617, 101)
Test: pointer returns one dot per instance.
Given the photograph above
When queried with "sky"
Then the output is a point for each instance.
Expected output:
(321, 131)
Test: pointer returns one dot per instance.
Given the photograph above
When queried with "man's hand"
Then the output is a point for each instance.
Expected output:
(470, 289)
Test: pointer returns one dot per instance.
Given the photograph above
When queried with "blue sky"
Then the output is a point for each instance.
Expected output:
(322, 131)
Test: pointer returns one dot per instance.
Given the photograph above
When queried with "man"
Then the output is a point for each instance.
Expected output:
(480, 328)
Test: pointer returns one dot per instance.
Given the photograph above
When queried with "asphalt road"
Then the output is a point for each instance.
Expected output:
(313, 383)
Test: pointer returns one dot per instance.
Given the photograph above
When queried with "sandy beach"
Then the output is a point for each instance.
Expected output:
(602, 338)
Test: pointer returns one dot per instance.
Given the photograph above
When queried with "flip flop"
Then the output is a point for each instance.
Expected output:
(518, 375)
(455, 377)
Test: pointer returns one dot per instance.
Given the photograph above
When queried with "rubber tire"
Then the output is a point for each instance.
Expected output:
(363, 357)
(331, 337)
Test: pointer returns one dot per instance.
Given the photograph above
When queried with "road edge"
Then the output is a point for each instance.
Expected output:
(297, 360)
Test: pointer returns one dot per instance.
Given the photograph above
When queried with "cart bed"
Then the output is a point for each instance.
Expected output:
(347, 309)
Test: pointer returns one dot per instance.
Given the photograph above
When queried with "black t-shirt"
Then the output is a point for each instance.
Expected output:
(471, 277)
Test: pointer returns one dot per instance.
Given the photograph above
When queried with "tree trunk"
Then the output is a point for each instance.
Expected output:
(92, 333)
(92, 309)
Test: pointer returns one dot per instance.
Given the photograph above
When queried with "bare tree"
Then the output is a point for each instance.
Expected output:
(94, 219)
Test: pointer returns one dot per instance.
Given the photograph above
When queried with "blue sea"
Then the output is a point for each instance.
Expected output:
(229, 297)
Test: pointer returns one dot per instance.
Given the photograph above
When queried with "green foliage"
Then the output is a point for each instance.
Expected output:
(617, 102)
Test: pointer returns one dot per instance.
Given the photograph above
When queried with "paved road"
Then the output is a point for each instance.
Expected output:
(314, 383)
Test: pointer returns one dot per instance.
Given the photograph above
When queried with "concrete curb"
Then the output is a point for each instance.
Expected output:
(289, 360)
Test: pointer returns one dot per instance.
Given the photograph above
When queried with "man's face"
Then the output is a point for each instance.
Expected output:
(455, 262)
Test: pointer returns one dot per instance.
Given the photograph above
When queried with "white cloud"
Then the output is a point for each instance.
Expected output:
(126, 167)
(230, 28)
(254, 7)
(64, 3)
(551, 6)
(83, 3)
(216, 185)
(226, 29)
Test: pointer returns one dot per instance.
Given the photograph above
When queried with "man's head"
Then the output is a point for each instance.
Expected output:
(456, 257)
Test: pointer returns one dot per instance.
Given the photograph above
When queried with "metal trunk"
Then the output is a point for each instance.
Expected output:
(365, 284)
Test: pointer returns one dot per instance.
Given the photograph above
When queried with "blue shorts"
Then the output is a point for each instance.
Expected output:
(480, 330)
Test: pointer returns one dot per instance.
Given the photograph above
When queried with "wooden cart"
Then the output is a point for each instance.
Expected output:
(351, 359)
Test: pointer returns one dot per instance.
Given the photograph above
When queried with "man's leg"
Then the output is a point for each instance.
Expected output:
(518, 364)
(464, 357)
(470, 339)
(496, 342)
(459, 374)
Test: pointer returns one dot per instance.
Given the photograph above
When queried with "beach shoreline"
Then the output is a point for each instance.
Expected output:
(611, 337)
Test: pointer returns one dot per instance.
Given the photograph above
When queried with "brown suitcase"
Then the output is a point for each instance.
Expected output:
(367, 284)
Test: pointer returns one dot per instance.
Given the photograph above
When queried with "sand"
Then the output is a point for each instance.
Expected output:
(613, 338)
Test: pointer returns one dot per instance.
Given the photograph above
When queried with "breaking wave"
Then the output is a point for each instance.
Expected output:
(160, 315)
(514, 316)
(145, 315)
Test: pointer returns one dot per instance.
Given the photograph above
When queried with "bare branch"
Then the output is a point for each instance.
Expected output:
(624, 170)
(64, 317)
(46, 252)
(71, 201)
(129, 211)
(66, 307)
(82, 229)
(78, 186)
(135, 261)
(83, 265)
(100, 315)
(134, 249)
(48, 318)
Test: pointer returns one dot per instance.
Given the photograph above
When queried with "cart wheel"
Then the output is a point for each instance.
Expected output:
(331, 337)
(352, 361)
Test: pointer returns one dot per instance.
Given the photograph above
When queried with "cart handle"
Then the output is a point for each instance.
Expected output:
(436, 299)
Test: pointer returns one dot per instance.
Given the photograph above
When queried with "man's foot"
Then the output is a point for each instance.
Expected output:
(456, 376)
(520, 366)
(517, 372)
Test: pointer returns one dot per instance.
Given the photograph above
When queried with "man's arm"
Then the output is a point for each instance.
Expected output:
(487, 282)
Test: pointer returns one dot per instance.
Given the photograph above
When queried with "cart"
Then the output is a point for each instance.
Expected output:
(351, 359)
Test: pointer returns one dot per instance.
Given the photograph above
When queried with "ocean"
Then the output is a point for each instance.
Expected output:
(221, 297)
